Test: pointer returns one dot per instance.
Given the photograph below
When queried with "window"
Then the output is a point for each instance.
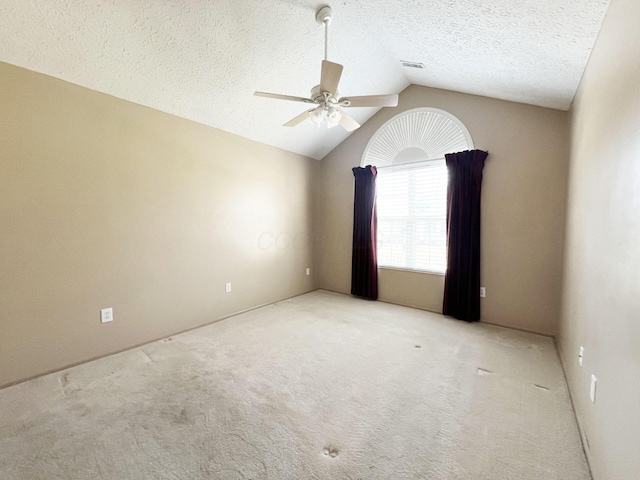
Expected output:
(412, 216)
(411, 186)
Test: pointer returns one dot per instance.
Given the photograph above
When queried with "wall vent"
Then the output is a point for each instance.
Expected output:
(411, 64)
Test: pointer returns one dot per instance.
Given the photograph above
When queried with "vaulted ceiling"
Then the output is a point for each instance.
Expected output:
(203, 59)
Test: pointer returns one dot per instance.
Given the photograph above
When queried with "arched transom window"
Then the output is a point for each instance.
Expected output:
(409, 151)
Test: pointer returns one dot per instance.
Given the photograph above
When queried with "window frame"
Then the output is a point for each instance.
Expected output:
(409, 166)
(430, 132)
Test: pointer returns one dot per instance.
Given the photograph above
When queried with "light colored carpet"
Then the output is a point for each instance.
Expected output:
(321, 386)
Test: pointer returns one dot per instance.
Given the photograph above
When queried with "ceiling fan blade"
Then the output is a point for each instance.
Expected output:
(330, 77)
(347, 122)
(370, 101)
(283, 97)
(299, 119)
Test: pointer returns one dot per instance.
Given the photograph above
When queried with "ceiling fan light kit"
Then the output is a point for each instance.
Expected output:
(330, 106)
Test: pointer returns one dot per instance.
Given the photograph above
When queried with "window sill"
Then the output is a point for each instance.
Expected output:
(412, 270)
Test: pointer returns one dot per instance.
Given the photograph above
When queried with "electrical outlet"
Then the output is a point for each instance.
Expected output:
(592, 391)
(308, 271)
(227, 287)
(581, 355)
(483, 292)
(106, 315)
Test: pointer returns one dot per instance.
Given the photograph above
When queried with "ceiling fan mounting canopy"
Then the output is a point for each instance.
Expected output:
(325, 14)
(325, 95)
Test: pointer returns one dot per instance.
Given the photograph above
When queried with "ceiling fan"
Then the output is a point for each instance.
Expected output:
(325, 96)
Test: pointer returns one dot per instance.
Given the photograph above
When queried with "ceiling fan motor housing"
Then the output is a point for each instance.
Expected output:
(325, 99)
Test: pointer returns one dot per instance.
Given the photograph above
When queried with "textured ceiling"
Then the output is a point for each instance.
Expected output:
(202, 59)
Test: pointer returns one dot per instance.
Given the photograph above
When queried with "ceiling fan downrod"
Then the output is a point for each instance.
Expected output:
(324, 17)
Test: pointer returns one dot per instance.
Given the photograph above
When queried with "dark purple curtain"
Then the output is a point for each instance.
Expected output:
(364, 262)
(462, 279)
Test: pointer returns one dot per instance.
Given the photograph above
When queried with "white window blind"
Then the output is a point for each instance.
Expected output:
(411, 204)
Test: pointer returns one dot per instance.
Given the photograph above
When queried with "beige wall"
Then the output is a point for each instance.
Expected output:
(104, 203)
(523, 204)
(601, 308)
